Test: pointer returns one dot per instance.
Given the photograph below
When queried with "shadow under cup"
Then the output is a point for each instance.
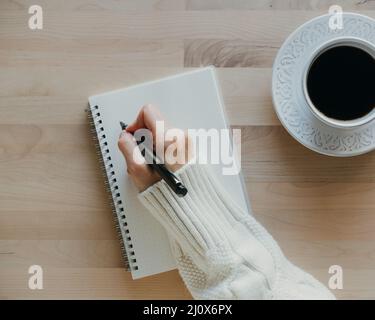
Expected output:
(339, 83)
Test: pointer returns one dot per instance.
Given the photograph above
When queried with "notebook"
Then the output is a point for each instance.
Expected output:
(188, 100)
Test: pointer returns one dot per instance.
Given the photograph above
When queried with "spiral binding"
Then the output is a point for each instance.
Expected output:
(101, 145)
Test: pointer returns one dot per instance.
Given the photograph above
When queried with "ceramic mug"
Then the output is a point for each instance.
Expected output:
(291, 101)
(341, 41)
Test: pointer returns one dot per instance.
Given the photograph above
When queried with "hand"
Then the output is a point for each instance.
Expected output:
(142, 174)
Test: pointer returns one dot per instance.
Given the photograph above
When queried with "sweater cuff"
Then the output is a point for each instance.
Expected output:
(198, 219)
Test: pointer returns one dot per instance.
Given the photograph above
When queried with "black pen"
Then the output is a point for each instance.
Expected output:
(173, 182)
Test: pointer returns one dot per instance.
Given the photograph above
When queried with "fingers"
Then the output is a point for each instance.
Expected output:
(130, 150)
(137, 168)
(146, 118)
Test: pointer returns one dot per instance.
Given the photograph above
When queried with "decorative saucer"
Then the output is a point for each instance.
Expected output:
(289, 94)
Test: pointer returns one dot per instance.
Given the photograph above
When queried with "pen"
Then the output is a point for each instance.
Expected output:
(173, 182)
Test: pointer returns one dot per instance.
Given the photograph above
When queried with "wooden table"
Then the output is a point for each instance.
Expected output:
(53, 208)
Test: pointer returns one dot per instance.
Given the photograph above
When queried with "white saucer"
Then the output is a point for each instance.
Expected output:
(288, 93)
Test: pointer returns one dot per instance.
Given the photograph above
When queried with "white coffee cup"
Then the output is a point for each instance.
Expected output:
(342, 41)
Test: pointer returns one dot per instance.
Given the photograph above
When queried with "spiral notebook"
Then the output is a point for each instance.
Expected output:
(188, 100)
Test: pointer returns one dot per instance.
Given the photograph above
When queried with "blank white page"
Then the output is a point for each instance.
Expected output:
(188, 100)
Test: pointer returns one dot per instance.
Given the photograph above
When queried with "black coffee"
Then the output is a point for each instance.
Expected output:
(341, 83)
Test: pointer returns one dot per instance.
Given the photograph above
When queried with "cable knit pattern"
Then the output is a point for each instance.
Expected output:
(221, 251)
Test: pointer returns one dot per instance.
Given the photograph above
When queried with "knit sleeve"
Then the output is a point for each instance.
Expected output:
(222, 252)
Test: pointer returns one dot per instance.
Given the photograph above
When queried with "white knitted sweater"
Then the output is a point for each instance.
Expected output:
(221, 251)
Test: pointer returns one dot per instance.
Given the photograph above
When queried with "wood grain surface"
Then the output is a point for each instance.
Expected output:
(53, 207)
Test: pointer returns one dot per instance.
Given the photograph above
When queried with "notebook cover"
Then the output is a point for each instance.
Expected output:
(187, 100)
